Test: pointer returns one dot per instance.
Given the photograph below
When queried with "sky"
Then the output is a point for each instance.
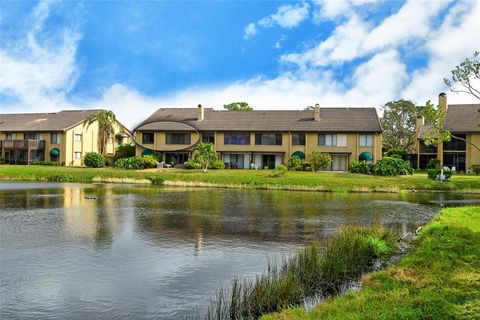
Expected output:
(134, 57)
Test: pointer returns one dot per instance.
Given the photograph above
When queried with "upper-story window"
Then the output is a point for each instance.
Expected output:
(298, 139)
(366, 140)
(31, 136)
(147, 138)
(78, 137)
(177, 138)
(208, 137)
(236, 138)
(271, 139)
(456, 144)
(9, 136)
(56, 138)
(327, 140)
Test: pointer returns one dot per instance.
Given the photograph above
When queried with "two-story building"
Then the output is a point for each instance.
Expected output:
(59, 137)
(263, 138)
(463, 121)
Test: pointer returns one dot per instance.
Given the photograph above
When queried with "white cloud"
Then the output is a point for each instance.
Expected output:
(287, 16)
(333, 9)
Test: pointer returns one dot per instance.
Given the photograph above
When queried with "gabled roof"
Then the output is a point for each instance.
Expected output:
(57, 121)
(463, 118)
(353, 119)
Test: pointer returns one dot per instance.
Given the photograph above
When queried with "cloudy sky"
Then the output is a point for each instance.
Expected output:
(134, 57)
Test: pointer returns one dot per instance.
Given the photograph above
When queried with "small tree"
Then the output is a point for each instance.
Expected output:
(319, 160)
(206, 155)
(238, 106)
(106, 120)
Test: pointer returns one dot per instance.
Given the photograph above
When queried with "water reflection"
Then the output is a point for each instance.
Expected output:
(157, 253)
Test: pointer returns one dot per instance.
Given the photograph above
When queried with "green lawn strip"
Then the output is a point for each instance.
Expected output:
(293, 180)
(439, 279)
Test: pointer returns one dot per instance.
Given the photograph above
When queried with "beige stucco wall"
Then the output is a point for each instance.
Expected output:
(473, 154)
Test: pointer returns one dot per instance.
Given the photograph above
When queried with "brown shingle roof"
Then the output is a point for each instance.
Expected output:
(57, 121)
(462, 118)
(331, 120)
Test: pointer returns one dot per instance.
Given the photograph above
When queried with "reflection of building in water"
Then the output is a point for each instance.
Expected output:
(198, 243)
(93, 218)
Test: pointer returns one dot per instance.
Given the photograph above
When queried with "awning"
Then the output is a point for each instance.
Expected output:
(147, 152)
(54, 152)
(365, 156)
(122, 135)
(299, 154)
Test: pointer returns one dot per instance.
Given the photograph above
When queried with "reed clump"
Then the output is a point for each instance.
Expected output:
(319, 269)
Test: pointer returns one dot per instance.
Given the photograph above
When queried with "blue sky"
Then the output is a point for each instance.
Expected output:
(133, 57)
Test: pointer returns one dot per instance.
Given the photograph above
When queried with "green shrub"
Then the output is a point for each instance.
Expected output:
(217, 164)
(2, 160)
(362, 167)
(434, 173)
(319, 160)
(279, 171)
(391, 167)
(476, 169)
(46, 163)
(192, 164)
(307, 166)
(433, 164)
(94, 160)
(295, 163)
(396, 153)
(136, 163)
(124, 151)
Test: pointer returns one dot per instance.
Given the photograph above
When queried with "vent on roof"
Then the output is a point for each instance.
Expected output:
(38, 120)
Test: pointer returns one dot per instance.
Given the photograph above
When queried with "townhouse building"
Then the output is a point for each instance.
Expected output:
(463, 121)
(58, 137)
(262, 138)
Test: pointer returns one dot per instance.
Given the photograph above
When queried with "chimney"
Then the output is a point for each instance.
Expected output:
(200, 113)
(420, 123)
(442, 102)
(316, 116)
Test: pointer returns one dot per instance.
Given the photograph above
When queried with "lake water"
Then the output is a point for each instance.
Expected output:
(72, 251)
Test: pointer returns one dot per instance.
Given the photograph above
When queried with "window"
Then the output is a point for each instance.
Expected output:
(236, 138)
(177, 138)
(298, 139)
(455, 144)
(327, 140)
(366, 140)
(56, 138)
(78, 155)
(147, 137)
(9, 136)
(208, 137)
(78, 137)
(271, 139)
(31, 136)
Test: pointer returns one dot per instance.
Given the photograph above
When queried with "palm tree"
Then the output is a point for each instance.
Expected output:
(206, 155)
(106, 120)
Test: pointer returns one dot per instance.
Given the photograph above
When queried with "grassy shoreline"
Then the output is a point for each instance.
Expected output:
(439, 279)
(257, 179)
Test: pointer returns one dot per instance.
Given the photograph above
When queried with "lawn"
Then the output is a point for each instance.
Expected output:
(439, 279)
(293, 180)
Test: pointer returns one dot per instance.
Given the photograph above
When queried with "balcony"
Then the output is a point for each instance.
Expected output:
(24, 144)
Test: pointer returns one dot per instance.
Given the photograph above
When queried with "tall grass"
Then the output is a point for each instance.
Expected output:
(314, 270)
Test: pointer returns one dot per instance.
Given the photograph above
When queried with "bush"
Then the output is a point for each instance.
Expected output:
(396, 153)
(319, 160)
(433, 164)
(124, 151)
(361, 167)
(94, 160)
(435, 173)
(136, 163)
(217, 164)
(192, 164)
(307, 166)
(46, 163)
(476, 169)
(391, 167)
(2, 160)
(295, 163)
(279, 171)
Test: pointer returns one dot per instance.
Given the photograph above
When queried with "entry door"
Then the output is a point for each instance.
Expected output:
(237, 161)
(339, 162)
(269, 161)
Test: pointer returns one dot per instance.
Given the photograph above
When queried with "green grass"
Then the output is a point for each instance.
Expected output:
(439, 279)
(313, 270)
(292, 180)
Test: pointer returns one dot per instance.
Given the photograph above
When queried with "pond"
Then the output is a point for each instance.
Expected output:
(72, 251)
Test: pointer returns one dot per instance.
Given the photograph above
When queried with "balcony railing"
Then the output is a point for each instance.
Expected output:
(24, 144)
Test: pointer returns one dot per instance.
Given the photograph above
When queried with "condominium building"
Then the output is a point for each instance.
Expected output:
(463, 121)
(263, 138)
(58, 137)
